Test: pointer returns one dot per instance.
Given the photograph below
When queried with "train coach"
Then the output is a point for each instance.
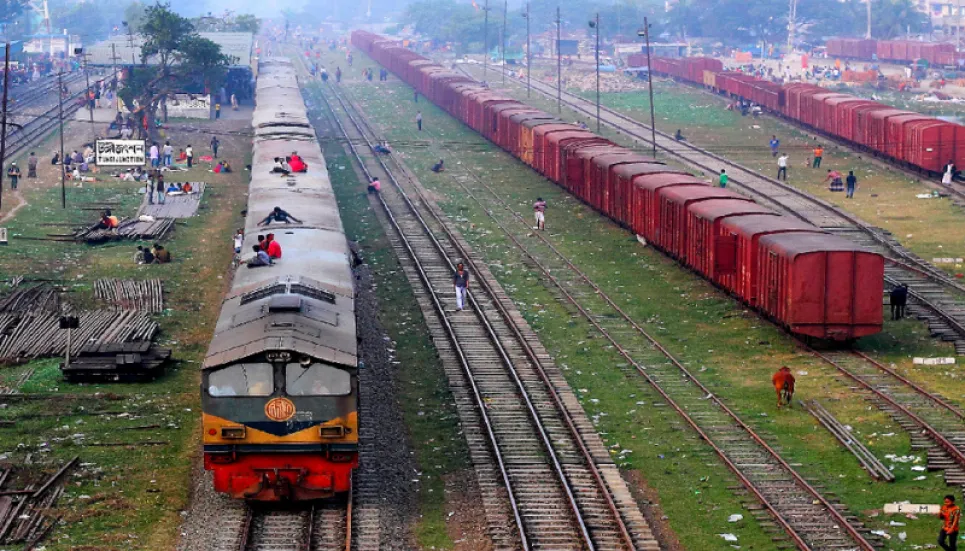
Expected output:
(807, 280)
(906, 138)
(279, 381)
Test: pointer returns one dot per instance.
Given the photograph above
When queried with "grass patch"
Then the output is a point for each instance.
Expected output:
(730, 349)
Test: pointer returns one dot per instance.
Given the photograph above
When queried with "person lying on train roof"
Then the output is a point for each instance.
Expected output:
(261, 258)
(278, 215)
(296, 163)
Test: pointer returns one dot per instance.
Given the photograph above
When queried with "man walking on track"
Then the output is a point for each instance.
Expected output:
(950, 515)
(539, 211)
(418, 120)
(775, 143)
(722, 180)
(782, 167)
(818, 155)
(461, 282)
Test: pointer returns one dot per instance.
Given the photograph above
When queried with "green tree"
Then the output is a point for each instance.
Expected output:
(893, 18)
(247, 23)
(179, 60)
(11, 9)
(134, 15)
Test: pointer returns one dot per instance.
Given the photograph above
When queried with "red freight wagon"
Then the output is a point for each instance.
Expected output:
(746, 231)
(546, 151)
(625, 207)
(820, 285)
(501, 118)
(879, 138)
(602, 177)
(897, 141)
(932, 144)
(768, 95)
(490, 125)
(847, 117)
(579, 169)
(528, 140)
(556, 143)
(820, 112)
(792, 98)
(674, 204)
(861, 123)
(646, 201)
(710, 250)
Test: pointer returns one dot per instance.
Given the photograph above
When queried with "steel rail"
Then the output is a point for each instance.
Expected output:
(936, 399)
(935, 435)
(533, 357)
(246, 526)
(348, 513)
(799, 541)
(493, 336)
(450, 332)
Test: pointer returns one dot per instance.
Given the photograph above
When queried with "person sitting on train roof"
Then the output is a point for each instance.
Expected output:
(272, 247)
(278, 215)
(297, 164)
(280, 167)
(262, 246)
(261, 258)
(161, 255)
(439, 167)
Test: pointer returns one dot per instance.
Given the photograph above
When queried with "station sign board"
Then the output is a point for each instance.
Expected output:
(121, 152)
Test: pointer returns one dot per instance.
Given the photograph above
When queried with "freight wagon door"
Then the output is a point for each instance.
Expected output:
(725, 255)
(839, 308)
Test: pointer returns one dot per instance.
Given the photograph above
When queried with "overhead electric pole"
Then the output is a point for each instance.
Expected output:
(529, 56)
(595, 24)
(559, 63)
(653, 118)
(60, 116)
(791, 24)
(867, 33)
(502, 40)
(486, 41)
(3, 117)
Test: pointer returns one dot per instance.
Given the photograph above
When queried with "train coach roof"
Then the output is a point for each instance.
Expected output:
(762, 224)
(682, 194)
(794, 244)
(644, 166)
(720, 208)
(285, 313)
(664, 179)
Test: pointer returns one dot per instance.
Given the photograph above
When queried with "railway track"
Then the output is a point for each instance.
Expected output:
(547, 480)
(321, 526)
(936, 297)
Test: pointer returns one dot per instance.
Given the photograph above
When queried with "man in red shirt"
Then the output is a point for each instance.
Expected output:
(273, 249)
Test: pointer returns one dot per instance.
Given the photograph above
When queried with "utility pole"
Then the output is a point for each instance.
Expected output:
(486, 41)
(85, 57)
(130, 40)
(958, 29)
(529, 56)
(502, 40)
(867, 34)
(3, 117)
(595, 24)
(559, 63)
(60, 109)
(653, 118)
(791, 24)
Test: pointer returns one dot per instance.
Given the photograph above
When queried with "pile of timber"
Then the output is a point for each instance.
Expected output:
(184, 205)
(145, 295)
(872, 464)
(129, 228)
(117, 362)
(41, 297)
(24, 513)
(28, 335)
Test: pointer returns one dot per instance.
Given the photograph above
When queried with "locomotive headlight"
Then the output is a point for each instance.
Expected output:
(279, 356)
(305, 361)
(233, 433)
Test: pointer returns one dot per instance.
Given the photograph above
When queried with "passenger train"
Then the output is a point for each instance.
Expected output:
(279, 384)
(811, 282)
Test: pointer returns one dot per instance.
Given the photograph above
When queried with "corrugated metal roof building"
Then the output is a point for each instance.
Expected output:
(127, 50)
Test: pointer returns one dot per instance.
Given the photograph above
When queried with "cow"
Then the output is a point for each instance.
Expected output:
(784, 386)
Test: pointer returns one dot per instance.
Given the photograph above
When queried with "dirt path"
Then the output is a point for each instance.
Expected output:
(21, 204)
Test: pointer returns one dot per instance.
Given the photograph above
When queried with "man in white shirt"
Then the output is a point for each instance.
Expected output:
(782, 166)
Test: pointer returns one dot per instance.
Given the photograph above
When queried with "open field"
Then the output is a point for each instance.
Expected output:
(136, 442)
(731, 349)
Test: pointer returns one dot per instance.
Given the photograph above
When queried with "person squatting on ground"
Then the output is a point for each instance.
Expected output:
(460, 280)
(375, 186)
(539, 212)
(439, 167)
(950, 514)
(783, 382)
(834, 177)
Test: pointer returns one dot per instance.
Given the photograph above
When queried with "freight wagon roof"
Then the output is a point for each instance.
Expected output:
(532, 121)
(542, 128)
(657, 181)
(596, 150)
(643, 167)
(576, 133)
(756, 224)
(795, 244)
(682, 194)
(621, 159)
(892, 112)
(720, 208)
(843, 99)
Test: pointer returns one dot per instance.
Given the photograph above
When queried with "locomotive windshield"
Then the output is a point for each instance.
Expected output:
(242, 380)
(316, 380)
